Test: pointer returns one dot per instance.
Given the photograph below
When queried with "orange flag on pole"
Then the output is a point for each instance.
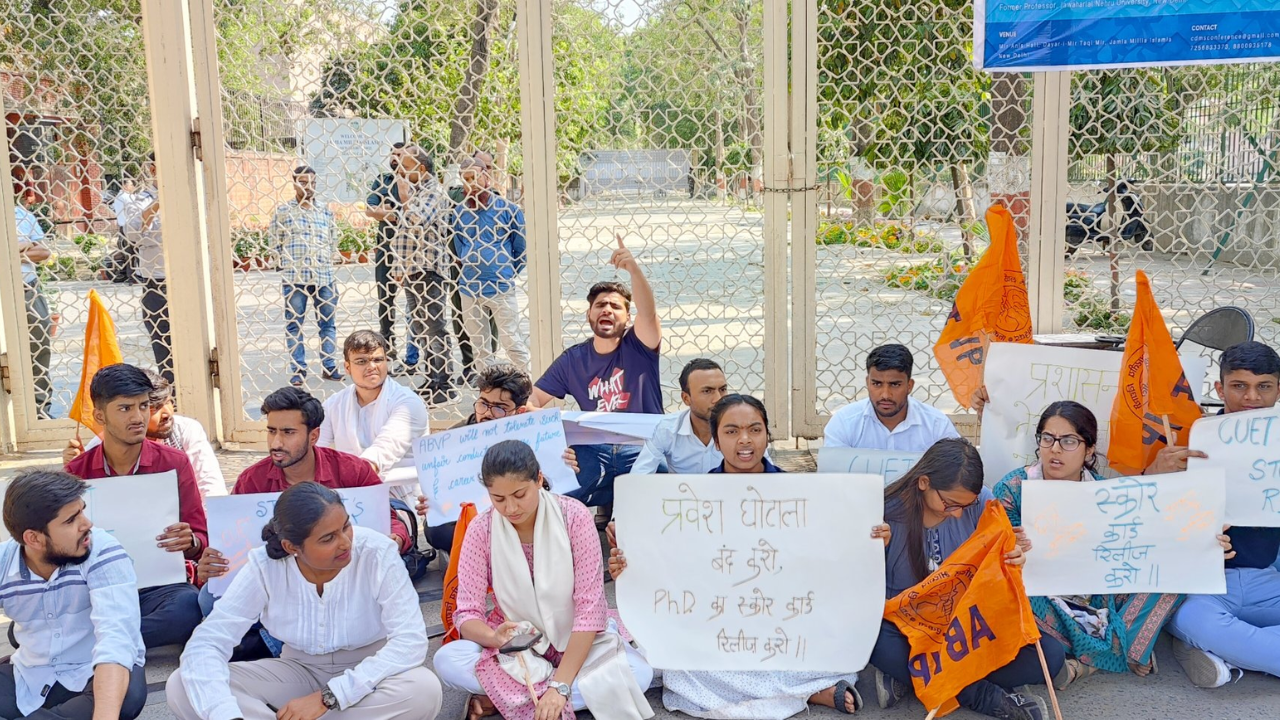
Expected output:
(1153, 390)
(450, 605)
(969, 618)
(991, 306)
(100, 350)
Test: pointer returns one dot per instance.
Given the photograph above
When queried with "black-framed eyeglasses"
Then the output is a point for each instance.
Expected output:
(948, 506)
(1067, 442)
(494, 410)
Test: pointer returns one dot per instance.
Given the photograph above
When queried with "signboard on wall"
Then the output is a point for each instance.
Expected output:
(348, 155)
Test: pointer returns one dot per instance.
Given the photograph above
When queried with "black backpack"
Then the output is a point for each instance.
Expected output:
(415, 561)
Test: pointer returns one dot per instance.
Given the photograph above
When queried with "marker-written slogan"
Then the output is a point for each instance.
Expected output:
(448, 463)
(722, 572)
(889, 464)
(1153, 534)
(1246, 445)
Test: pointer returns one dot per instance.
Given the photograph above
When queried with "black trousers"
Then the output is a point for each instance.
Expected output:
(155, 316)
(63, 704)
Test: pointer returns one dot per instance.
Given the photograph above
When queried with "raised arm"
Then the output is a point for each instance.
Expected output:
(647, 326)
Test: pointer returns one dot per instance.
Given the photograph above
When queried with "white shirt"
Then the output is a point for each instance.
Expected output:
(395, 420)
(370, 600)
(189, 437)
(148, 240)
(856, 425)
(675, 445)
(29, 231)
(120, 205)
(83, 616)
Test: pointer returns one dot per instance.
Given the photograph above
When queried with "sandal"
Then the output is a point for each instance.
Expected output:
(842, 691)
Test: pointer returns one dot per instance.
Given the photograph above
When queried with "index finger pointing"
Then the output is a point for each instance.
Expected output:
(621, 246)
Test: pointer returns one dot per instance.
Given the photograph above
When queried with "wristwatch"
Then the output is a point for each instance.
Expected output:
(327, 697)
(559, 687)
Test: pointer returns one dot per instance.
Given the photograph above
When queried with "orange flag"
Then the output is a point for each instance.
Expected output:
(450, 605)
(100, 350)
(969, 618)
(1153, 388)
(991, 306)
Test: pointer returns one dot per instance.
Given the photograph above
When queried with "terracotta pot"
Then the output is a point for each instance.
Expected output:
(346, 255)
(363, 258)
(55, 319)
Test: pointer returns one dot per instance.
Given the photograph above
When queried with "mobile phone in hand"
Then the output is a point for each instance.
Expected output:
(520, 643)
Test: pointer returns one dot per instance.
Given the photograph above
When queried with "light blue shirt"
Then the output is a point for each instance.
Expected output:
(83, 616)
(29, 231)
(675, 445)
(856, 425)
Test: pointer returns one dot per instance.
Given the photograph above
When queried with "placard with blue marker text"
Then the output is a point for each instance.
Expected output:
(1246, 445)
(888, 464)
(448, 462)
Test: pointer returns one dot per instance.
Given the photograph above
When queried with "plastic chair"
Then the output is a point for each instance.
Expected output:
(1219, 328)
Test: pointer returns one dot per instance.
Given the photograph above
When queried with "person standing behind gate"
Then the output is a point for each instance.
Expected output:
(306, 236)
(32, 252)
(421, 264)
(142, 227)
(615, 371)
(384, 206)
(489, 242)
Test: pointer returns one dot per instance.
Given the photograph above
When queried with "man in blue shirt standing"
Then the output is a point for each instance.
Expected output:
(489, 242)
(72, 595)
(32, 252)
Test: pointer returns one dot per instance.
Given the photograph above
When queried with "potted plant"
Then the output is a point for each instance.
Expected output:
(251, 250)
(354, 243)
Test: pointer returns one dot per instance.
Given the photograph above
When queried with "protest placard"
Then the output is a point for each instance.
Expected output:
(113, 505)
(236, 522)
(609, 428)
(1155, 534)
(729, 572)
(1246, 445)
(448, 462)
(888, 464)
(1022, 380)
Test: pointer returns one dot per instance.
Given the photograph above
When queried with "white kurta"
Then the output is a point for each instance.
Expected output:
(749, 695)
(391, 425)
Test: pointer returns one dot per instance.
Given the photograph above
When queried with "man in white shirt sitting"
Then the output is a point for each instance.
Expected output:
(73, 598)
(889, 419)
(682, 443)
(375, 417)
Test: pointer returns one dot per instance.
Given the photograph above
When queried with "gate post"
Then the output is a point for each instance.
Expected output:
(1047, 241)
(12, 300)
(166, 35)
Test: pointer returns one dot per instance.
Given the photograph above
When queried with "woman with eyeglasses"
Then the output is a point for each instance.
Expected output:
(931, 511)
(1116, 633)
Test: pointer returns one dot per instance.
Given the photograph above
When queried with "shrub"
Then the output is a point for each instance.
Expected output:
(890, 236)
(1094, 312)
(355, 240)
(938, 278)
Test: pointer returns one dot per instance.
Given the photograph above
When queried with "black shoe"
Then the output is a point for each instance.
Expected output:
(1016, 706)
(889, 691)
(334, 375)
(438, 396)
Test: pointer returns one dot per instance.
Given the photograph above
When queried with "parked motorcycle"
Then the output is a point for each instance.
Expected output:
(1084, 221)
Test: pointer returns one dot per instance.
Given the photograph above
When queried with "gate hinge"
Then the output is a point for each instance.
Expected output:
(195, 139)
(214, 370)
(4, 372)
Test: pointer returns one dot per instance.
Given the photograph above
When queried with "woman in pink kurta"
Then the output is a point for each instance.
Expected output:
(472, 663)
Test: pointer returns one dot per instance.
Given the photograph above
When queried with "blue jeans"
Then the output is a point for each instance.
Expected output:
(325, 300)
(598, 466)
(207, 601)
(170, 613)
(1241, 626)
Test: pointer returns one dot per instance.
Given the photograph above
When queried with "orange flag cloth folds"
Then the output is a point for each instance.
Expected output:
(991, 306)
(969, 618)
(450, 605)
(1153, 387)
(100, 350)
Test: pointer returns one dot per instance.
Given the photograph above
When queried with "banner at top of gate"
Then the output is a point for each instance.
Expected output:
(1036, 35)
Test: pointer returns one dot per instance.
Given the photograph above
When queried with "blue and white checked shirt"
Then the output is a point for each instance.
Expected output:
(305, 242)
(85, 615)
(29, 231)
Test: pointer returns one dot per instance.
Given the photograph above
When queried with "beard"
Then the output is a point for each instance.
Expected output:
(896, 409)
(289, 460)
(60, 559)
(618, 330)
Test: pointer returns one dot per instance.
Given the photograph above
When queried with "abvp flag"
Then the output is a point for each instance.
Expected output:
(100, 350)
(1153, 388)
(969, 618)
(450, 605)
(991, 306)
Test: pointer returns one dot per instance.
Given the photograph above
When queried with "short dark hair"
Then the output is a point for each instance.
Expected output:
(734, 400)
(508, 378)
(162, 390)
(303, 170)
(694, 366)
(397, 145)
(34, 498)
(297, 511)
(1253, 356)
(364, 341)
(891, 357)
(601, 288)
(292, 398)
(420, 154)
(119, 380)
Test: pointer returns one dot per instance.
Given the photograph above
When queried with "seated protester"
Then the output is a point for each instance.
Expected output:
(178, 432)
(340, 599)
(84, 661)
(1122, 629)
(741, 428)
(932, 511)
(121, 397)
(504, 390)
(615, 371)
(1238, 630)
(540, 554)
(682, 444)
(376, 417)
(889, 419)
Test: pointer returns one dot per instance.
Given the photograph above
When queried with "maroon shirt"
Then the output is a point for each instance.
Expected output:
(334, 469)
(155, 458)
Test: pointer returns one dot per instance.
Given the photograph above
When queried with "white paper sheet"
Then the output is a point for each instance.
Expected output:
(1153, 534)
(605, 428)
(889, 464)
(752, 572)
(1246, 445)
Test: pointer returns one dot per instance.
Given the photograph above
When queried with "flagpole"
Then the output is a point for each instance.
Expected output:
(1170, 437)
(932, 713)
(1048, 681)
